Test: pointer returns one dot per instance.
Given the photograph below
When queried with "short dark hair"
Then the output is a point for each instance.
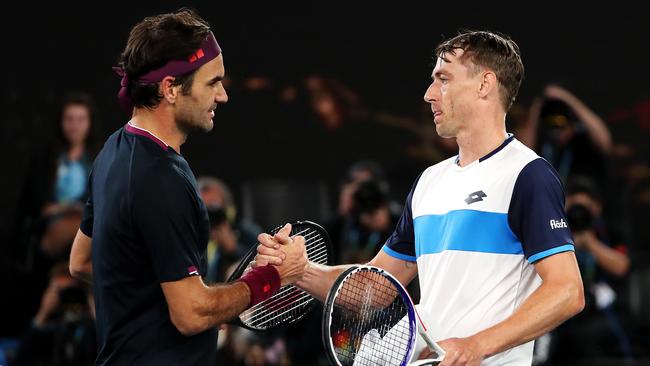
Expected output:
(155, 41)
(493, 51)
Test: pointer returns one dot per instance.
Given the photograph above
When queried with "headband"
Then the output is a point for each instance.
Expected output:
(207, 52)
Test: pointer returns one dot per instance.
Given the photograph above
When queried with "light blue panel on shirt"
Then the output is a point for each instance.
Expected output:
(466, 230)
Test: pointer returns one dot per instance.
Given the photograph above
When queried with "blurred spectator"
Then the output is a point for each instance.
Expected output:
(365, 170)
(230, 236)
(567, 133)
(358, 172)
(371, 223)
(247, 348)
(52, 201)
(68, 171)
(56, 188)
(345, 221)
(63, 330)
(598, 331)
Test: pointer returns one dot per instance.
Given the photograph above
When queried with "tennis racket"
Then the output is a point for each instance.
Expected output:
(289, 304)
(369, 319)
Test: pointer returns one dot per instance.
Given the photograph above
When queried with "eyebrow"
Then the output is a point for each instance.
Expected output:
(216, 79)
(438, 74)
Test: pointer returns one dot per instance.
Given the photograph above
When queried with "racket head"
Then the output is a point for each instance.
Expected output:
(367, 309)
(290, 304)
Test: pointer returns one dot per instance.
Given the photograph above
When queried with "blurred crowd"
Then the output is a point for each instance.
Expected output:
(603, 162)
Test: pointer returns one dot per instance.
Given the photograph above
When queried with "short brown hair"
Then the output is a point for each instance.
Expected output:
(155, 41)
(493, 51)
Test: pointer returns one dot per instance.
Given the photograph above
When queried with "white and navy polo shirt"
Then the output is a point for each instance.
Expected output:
(475, 232)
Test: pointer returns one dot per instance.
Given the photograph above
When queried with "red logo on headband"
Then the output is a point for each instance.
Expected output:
(197, 55)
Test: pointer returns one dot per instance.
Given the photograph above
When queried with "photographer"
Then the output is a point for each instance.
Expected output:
(63, 330)
(584, 212)
(598, 331)
(230, 235)
(566, 132)
(223, 247)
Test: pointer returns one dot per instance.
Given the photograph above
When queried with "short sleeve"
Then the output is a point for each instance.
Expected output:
(166, 217)
(401, 243)
(536, 214)
(86, 225)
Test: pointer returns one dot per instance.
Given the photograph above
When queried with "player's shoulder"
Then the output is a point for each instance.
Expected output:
(533, 170)
(517, 155)
(159, 176)
(439, 167)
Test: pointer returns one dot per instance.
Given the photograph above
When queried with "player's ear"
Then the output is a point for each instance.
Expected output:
(168, 90)
(488, 83)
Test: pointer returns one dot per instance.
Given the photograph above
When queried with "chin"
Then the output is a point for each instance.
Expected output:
(208, 126)
(440, 131)
(189, 127)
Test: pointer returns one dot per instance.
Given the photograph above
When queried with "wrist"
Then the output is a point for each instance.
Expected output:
(263, 282)
(39, 320)
(302, 281)
(482, 344)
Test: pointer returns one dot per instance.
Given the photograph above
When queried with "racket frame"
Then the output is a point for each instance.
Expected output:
(250, 255)
(331, 298)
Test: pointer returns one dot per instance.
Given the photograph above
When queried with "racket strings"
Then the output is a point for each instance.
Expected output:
(290, 303)
(369, 312)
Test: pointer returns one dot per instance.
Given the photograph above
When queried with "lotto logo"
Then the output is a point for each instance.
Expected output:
(555, 224)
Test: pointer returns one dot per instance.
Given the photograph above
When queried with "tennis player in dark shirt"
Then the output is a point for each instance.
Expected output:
(145, 228)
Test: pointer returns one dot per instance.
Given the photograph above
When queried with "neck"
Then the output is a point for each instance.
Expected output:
(75, 151)
(160, 122)
(480, 140)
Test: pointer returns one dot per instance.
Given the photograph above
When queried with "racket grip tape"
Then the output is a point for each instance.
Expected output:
(263, 283)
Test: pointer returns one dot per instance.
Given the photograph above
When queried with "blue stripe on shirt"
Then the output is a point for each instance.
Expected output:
(398, 255)
(550, 252)
(465, 230)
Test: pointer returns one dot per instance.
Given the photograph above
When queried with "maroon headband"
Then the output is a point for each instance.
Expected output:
(208, 51)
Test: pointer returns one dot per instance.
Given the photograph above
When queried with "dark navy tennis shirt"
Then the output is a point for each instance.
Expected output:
(148, 225)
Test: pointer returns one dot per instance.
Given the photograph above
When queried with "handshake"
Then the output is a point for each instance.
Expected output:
(271, 270)
(286, 253)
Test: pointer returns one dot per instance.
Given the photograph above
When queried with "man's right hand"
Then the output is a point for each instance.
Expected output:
(285, 252)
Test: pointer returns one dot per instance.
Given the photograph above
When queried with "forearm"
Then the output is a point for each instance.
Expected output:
(83, 271)
(318, 279)
(545, 309)
(611, 260)
(40, 319)
(224, 303)
(595, 126)
(216, 305)
(81, 264)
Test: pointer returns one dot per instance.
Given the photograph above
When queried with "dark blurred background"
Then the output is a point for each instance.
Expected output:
(314, 89)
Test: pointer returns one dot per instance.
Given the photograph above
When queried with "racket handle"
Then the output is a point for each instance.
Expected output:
(431, 344)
